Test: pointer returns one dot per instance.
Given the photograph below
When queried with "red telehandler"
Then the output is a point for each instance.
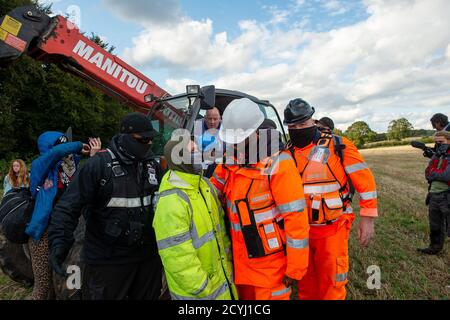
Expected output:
(27, 30)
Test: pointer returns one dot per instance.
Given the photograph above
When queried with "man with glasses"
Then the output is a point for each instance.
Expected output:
(118, 186)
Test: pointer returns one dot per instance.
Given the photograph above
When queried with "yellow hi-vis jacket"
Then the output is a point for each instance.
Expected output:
(192, 240)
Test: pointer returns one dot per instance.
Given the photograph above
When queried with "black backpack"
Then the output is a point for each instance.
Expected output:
(16, 209)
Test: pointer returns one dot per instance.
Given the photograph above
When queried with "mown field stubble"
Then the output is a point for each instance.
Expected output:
(402, 227)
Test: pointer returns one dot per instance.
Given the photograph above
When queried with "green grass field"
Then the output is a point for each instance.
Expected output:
(400, 229)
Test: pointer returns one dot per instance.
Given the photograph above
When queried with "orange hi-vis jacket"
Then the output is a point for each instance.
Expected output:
(325, 177)
(269, 228)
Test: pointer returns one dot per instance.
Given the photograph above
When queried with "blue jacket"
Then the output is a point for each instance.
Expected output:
(44, 178)
(207, 141)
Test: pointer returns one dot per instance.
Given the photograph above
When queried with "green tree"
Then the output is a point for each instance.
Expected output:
(399, 129)
(360, 133)
(37, 97)
(338, 132)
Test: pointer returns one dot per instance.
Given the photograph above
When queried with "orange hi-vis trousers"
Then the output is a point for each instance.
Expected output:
(247, 292)
(328, 265)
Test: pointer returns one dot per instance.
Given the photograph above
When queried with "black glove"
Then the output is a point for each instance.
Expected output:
(289, 282)
(56, 259)
(428, 153)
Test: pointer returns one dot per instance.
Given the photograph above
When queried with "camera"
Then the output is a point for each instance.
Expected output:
(427, 151)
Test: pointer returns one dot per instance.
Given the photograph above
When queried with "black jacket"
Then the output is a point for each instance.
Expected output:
(115, 193)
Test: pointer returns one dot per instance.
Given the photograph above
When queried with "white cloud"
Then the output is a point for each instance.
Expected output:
(179, 85)
(395, 62)
(192, 45)
(47, 2)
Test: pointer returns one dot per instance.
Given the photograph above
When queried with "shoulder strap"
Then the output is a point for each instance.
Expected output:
(339, 147)
(108, 161)
(290, 147)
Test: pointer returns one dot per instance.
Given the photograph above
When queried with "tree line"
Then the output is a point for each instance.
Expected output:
(37, 97)
(360, 132)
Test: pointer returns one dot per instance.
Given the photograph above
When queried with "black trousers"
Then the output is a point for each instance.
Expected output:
(439, 218)
(137, 281)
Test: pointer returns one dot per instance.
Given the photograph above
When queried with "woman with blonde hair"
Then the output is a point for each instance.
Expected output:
(17, 176)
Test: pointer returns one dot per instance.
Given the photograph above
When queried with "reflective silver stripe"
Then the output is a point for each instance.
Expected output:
(322, 189)
(266, 215)
(228, 250)
(218, 179)
(260, 198)
(179, 193)
(199, 242)
(280, 292)
(219, 227)
(356, 167)
(368, 195)
(231, 206)
(341, 277)
(269, 228)
(348, 210)
(315, 204)
(214, 189)
(236, 227)
(297, 205)
(174, 240)
(203, 287)
(128, 202)
(297, 243)
(222, 289)
(334, 202)
(196, 241)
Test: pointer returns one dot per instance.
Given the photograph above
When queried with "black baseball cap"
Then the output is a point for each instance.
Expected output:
(268, 124)
(138, 123)
(327, 122)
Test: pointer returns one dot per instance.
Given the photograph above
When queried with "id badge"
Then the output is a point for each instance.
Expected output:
(320, 155)
(152, 176)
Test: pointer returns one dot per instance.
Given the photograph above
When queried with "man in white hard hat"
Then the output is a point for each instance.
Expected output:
(265, 207)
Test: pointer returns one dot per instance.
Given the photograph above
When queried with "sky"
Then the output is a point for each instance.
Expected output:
(369, 60)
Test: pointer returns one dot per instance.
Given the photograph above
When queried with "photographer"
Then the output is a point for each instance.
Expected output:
(438, 199)
(439, 122)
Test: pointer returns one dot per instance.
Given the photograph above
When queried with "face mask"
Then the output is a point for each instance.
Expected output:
(133, 147)
(300, 138)
(196, 161)
(442, 148)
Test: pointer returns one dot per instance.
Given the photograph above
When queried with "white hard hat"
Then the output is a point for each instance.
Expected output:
(240, 119)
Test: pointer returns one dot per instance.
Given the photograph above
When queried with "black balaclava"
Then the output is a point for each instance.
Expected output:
(300, 138)
(137, 150)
